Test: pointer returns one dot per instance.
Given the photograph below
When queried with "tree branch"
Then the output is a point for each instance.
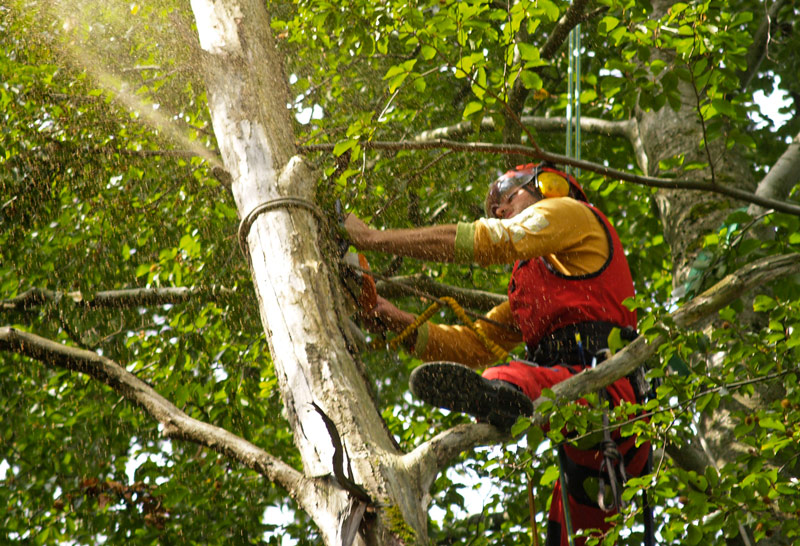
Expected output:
(588, 124)
(782, 177)
(175, 422)
(474, 299)
(129, 297)
(517, 149)
(760, 46)
(519, 93)
(573, 16)
(432, 456)
(628, 129)
(690, 315)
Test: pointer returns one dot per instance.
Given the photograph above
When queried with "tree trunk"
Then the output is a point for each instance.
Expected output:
(247, 98)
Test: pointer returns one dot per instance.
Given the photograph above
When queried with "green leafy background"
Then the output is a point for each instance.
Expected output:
(106, 157)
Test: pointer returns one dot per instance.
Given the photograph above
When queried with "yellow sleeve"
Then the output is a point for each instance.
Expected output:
(461, 344)
(561, 228)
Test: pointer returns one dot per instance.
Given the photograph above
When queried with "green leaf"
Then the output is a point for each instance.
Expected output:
(693, 535)
(712, 476)
(607, 24)
(771, 423)
(531, 80)
(528, 52)
(550, 475)
(344, 145)
(472, 108)
(550, 9)
(617, 35)
(763, 303)
(724, 107)
(427, 52)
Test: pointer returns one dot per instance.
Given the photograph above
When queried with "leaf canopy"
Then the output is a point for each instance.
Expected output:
(107, 182)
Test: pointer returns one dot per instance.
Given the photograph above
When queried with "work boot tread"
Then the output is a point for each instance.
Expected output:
(458, 388)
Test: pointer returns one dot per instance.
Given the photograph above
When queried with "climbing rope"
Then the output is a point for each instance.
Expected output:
(426, 315)
(572, 149)
(272, 204)
(573, 144)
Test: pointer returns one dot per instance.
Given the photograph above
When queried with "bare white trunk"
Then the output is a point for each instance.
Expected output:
(297, 299)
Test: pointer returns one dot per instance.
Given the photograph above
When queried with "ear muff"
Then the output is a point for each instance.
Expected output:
(552, 184)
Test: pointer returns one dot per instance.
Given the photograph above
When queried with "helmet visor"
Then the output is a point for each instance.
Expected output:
(505, 186)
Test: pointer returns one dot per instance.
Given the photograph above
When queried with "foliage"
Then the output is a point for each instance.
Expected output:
(99, 102)
(84, 211)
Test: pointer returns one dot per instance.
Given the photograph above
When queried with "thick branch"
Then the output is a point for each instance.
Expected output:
(573, 16)
(128, 297)
(588, 125)
(175, 422)
(433, 455)
(782, 177)
(516, 149)
(474, 299)
(628, 129)
(691, 315)
(519, 93)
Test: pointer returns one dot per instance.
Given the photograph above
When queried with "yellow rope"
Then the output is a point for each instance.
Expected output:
(493, 347)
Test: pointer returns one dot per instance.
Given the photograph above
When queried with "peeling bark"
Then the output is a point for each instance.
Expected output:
(295, 287)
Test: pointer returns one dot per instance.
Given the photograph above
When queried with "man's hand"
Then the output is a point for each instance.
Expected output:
(386, 316)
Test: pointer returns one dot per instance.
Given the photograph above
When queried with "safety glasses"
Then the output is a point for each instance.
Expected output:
(510, 183)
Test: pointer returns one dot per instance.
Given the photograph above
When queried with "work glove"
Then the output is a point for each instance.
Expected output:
(359, 283)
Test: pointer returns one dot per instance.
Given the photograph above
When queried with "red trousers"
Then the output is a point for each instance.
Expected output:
(584, 512)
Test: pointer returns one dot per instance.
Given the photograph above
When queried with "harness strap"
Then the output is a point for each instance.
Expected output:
(612, 461)
(572, 343)
(562, 477)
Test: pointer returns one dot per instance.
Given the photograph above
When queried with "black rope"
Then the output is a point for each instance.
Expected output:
(280, 202)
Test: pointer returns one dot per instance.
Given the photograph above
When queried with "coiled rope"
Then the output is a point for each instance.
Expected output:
(426, 315)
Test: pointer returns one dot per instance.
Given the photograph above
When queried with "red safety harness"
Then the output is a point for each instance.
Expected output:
(545, 301)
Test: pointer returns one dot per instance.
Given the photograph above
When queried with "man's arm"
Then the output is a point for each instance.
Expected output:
(434, 243)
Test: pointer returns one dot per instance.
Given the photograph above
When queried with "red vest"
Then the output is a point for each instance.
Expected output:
(544, 300)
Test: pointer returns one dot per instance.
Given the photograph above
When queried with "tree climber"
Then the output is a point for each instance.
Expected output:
(565, 296)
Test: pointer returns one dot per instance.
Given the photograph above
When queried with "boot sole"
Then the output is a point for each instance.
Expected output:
(458, 388)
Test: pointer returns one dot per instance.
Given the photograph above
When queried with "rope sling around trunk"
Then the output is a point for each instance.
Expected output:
(279, 202)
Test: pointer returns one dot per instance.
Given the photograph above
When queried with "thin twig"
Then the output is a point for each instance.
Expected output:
(685, 404)
(697, 93)
(526, 151)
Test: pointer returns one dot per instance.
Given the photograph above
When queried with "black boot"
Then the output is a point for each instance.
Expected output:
(458, 388)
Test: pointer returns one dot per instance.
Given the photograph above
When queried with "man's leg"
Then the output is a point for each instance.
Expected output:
(581, 517)
(502, 394)
(532, 379)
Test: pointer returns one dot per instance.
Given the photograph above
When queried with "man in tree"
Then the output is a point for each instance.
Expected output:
(565, 297)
